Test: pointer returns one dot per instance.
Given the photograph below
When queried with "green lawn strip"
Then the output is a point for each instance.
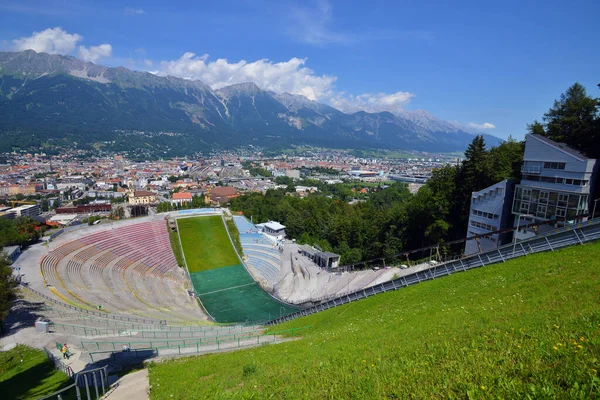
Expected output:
(528, 328)
(205, 243)
(235, 236)
(174, 239)
(32, 378)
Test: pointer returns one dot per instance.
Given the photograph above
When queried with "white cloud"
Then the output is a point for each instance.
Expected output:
(371, 102)
(148, 63)
(134, 11)
(288, 76)
(52, 40)
(314, 25)
(485, 125)
(94, 53)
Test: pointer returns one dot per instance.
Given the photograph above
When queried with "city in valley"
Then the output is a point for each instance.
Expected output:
(64, 190)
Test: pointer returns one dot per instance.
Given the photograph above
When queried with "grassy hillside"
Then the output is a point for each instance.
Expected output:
(30, 379)
(205, 243)
(529, 328)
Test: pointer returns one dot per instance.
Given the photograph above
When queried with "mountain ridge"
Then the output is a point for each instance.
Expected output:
(62, 96)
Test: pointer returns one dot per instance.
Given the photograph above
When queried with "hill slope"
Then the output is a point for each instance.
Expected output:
(62, 99)
(529, 327)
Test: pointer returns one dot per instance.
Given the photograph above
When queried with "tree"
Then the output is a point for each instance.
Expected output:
(471, 176)
(284, 180)
(44, 206)
(536, 128)
(505, 160)
(7, 288)
(573, 120)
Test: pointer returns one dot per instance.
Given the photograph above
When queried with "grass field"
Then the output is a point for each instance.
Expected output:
(529, 328)
(174, 239)
(205, 243)
(235, 236)
(30, 379)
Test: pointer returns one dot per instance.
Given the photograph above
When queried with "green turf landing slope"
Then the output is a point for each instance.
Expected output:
(230, 295)
(529, 328)
(205, 243)
(227, 291)
(222, 278)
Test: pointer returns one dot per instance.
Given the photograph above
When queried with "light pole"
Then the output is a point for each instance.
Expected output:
(594, 212)
(517, 229)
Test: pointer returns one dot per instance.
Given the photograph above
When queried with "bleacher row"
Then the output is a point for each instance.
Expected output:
(262, 254)
(128, 269)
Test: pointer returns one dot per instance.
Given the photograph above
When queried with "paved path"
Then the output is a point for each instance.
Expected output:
(134, 386)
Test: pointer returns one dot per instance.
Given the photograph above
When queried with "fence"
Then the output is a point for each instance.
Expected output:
(88, 331)
(58, 364)
(94, 381)
(136, 355)
(92, 345)
(567, 236)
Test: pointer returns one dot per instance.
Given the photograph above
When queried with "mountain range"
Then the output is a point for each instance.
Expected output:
(50, 99)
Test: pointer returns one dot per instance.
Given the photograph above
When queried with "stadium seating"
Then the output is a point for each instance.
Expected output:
(261, 252)
(129, 269)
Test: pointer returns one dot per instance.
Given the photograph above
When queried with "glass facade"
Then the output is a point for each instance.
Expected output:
(548, 204)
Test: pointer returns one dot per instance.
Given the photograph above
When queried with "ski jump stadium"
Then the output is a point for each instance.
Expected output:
(118, 284)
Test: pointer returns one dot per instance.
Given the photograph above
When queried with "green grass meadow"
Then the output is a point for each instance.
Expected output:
(205, 243)
(31, 379)
(524, 329)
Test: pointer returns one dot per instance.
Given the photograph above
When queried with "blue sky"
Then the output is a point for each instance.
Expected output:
(500, 63)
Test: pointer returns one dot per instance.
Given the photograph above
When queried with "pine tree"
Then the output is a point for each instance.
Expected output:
(574, 120)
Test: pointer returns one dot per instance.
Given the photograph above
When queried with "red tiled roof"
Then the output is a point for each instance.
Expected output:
(182, 196)
(143, 193)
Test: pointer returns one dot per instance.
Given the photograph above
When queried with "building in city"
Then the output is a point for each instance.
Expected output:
(22, 189)
(85, 209)
(490, 212)
(557, 183)
(182, 198)
(141, 197)
(29, 210)
(292, 173)
(221, 194)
